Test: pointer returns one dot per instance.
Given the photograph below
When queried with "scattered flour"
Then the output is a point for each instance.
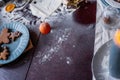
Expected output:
(103, 76)
(61, 37)
(51, 31)
(105, 62)
(61, 58)
(74, 46)
(68, 60)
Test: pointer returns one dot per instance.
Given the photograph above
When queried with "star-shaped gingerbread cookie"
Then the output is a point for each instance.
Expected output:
(14, 35)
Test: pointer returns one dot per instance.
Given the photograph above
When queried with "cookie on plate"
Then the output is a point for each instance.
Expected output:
(4, 36)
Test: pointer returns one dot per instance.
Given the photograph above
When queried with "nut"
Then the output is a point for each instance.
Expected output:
(107, 20)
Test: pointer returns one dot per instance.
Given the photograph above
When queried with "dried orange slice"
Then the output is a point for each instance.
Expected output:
(10, 7)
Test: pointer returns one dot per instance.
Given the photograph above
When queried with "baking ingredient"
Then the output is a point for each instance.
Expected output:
(106, 20)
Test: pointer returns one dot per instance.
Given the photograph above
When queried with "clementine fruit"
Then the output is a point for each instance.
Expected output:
(117, 37)
(44, 28)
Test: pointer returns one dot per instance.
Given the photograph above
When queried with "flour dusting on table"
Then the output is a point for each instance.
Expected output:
(61, 37)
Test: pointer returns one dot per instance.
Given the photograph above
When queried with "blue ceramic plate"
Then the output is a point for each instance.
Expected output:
(17, 47)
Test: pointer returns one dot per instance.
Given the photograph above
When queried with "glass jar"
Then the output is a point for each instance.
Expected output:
(111, 18)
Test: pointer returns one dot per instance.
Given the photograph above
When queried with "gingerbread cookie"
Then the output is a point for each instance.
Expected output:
(4, 54)
(14, 35)
(4, 36)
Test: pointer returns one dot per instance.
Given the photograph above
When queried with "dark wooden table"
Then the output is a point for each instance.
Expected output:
(64, 54)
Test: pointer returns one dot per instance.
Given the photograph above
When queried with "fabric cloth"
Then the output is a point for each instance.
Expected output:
(102, 34)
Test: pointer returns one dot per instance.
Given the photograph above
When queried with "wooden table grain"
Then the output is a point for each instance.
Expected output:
(64, 54)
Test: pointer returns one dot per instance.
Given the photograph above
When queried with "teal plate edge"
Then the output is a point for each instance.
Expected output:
(23, 42)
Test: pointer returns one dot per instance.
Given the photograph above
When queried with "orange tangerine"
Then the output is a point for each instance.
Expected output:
(44, 28)
(117, 37)
(10, 7)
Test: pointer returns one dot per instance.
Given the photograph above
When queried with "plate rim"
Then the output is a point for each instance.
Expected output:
(94, 55)
(21, 51)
